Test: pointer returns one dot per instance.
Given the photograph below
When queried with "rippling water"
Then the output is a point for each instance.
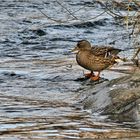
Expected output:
(40, 96)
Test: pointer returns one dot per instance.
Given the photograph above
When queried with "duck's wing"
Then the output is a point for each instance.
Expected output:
(99, 63)
(104, 50)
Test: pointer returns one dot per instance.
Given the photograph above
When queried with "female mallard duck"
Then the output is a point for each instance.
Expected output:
(95, 58)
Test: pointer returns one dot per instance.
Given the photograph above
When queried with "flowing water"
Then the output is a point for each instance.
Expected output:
(40, 94)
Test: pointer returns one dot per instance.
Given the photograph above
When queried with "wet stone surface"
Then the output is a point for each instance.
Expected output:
(43, 93)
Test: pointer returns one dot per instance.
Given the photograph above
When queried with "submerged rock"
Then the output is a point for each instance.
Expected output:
(39, 32)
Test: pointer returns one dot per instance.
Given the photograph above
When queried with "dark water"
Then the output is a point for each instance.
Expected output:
(40, 96)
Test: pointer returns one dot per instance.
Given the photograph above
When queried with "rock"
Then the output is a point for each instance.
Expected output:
(39, 32)
(120, 98)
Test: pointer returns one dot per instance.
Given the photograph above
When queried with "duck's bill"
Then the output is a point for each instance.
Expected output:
(75, 50)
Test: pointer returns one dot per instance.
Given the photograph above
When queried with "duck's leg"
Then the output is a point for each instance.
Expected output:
(95, 78)
(88, 75)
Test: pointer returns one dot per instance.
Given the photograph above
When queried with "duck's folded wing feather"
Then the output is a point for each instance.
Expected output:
(104, 50)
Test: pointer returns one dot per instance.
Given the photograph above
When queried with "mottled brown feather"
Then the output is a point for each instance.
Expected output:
(104, 50)
(92, 62)
(95, 58)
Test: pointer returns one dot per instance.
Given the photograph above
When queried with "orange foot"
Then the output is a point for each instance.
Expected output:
(88, 75)
(94, 78)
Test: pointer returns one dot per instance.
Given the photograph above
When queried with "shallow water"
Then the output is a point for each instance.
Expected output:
(40, 94)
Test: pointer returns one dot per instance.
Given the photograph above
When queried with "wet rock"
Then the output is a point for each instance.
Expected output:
(39, 32)
(119, 99)
(125, 96)
(81, 79)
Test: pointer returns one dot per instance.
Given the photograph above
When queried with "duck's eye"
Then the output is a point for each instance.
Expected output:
(78, 44)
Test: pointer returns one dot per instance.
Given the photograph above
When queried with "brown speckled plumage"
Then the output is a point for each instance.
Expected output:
(104, 50)
(95, 58)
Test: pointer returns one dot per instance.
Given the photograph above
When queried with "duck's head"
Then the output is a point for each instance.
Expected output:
(82, 45)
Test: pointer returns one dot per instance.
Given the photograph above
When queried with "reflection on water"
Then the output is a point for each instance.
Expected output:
(40, 96)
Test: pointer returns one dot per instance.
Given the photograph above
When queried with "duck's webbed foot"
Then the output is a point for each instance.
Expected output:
(95, 77)
(89, 75)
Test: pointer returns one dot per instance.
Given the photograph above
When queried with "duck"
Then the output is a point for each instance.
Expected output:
(95, 58)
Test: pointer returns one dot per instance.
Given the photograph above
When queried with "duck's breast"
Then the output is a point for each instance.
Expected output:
(84, 59)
